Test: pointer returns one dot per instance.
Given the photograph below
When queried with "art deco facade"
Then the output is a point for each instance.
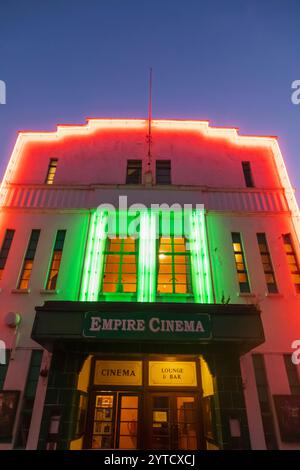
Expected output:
(165, 341)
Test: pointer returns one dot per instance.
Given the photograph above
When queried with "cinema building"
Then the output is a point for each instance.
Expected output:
(165, 340)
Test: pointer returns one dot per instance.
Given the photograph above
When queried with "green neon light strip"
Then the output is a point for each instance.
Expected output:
(209, 297)
(141, 297)
(201, 277)
(94, 264)
(152, 256)
(93, 267)
(195, 260)
(89, 250)
(147, 258)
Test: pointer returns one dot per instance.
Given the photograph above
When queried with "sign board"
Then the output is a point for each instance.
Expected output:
(118, 373)
(140, 326)
(172, 374)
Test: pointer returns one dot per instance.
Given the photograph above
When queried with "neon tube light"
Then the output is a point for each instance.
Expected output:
(147, 258)
(201, 275)
(94, 263)
(229, 134)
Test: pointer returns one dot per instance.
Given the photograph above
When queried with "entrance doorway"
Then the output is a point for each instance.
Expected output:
(115, 420)
(174, 421)
(166, 421)
(145, 403)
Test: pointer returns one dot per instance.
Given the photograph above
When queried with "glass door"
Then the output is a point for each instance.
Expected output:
(115, 421)
(174, 422)
(127, 430)
(161, 422)
(185, 426)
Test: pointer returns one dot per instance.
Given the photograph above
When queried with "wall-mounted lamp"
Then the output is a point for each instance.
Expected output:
(12, 319)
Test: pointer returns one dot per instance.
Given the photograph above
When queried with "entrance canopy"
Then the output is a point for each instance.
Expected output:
(135, 327)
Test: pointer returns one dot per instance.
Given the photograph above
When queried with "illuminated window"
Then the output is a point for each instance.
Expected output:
(28, 261)
(9, 235)
(173, 266)
(134, 172)
(240, 262)
(51, 171)
(292, 260)
(163, 171)
(248, 174)
(120, 266)
(267, 263)
(56, 259)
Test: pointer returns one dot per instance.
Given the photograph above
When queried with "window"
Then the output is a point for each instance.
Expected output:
(120, 266)
(292, 374)
(134, 172)
(56, 260)
(51, 171)
(173, 266)
(163, 171)
(264, 401)
(28, 261)
(9, 235)
(267, 263)
(28, 400)
(4, 367)
(240, 262)
(292, 260)
(248, 174)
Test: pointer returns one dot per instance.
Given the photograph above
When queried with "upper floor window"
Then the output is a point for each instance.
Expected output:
(163, 171)
(134, 172)
(240, 262)
(51, 171)
(28, 261)
(120, 266)
(9, 235)
(267, 263)
(173, 266)
(56, 260)
(292, 260)
(248, 174)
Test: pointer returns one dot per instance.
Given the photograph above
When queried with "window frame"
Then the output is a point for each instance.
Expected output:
(51, 172)
(58, 248)
(288, 236)
(244, 287)
(119, 284)
(5, 249)
(248, 174)
(137, 165)
(29, 258)
(157, 170)
(173, 254)
(263, 241)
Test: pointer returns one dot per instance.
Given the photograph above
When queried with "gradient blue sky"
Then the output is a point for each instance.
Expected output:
(231, 62)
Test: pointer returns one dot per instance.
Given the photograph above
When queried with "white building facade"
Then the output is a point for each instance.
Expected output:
(168, 340)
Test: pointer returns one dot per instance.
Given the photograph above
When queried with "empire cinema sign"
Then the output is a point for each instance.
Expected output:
(143, 326)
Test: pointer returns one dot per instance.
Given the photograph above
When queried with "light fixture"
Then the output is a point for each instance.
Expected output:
(12, 319)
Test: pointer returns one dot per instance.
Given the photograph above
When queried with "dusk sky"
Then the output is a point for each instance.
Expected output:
(230, 62)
